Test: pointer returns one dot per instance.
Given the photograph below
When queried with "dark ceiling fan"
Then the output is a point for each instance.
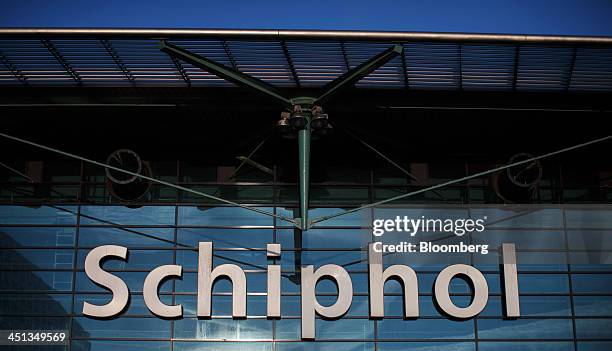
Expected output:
(303, 114)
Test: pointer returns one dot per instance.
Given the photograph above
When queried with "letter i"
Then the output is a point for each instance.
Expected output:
(274, 282)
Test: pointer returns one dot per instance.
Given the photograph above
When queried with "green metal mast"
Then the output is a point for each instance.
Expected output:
(304, 151)
(297, 103)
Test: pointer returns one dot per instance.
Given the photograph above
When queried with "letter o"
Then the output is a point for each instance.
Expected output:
(481, 291)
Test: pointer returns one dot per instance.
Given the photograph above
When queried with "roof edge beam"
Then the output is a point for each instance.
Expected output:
(279, 34)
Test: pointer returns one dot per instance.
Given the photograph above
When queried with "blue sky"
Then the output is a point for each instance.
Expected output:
(580, 17)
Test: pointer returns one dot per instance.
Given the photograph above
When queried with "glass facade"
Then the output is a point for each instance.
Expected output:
(44, 238)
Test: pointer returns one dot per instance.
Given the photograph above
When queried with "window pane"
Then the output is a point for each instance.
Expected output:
(525, 329)
(425, 329)
(593, 328)
(532, 306)
(594, 346)
(526, 346)
(527, 218)
(344, 329)
(36, 258)
(222, 305)
(222, 216)
(55, 215)
(426, 346)
(523, 239)
(226, 329)
(145, 328)
(246, 259)
(39, 323)
(222, 346)
(136, 260)
(145, 215)
(38, 281)
(224, 238)
(324, 346)
(323, 238)
(457, 285)
(256, 282)
(36, 236)
(349, 260)
(290, 305)
(129, 237)
(543, 283)
(593, 305)
(290, 283)
(394, 305)
(354, 219)
(134, 281)
(594, 283)
(290, 329)
(591, 218)
(104, 345)
(325, 195)
(35, 304)
(136, 304)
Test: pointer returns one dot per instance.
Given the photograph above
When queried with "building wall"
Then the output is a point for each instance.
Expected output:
(50, 222)
(43, 286)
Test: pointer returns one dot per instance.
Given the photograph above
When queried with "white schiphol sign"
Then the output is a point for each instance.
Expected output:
(377, 276)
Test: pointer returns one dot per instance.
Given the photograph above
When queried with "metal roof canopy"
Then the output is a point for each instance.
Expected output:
(88, 57)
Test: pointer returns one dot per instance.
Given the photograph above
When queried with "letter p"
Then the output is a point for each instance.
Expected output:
(310, 305)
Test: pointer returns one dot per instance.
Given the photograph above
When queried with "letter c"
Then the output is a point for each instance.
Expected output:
(151, 285)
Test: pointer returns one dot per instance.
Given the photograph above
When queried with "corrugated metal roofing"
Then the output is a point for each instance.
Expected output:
(94, 61)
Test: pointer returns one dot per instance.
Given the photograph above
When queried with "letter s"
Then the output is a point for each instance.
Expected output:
(479, 223)
(120, 291)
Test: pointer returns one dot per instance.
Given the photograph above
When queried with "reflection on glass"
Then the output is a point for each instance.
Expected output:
(136, 304)
(113, 215)
(119, 345)
(222, 305)
(13, 237)
(127, 236)
(36, 274)
(35, 304)
(325, 346)
(593, 328)
(222, 346)
(425, 329)
(52, 214)
(223, 216)
(426, 346)
(226, 329)
(124, 328)
(525, 329)
(526, 346)
(36, 258)
(36, 281)
(224, 238)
